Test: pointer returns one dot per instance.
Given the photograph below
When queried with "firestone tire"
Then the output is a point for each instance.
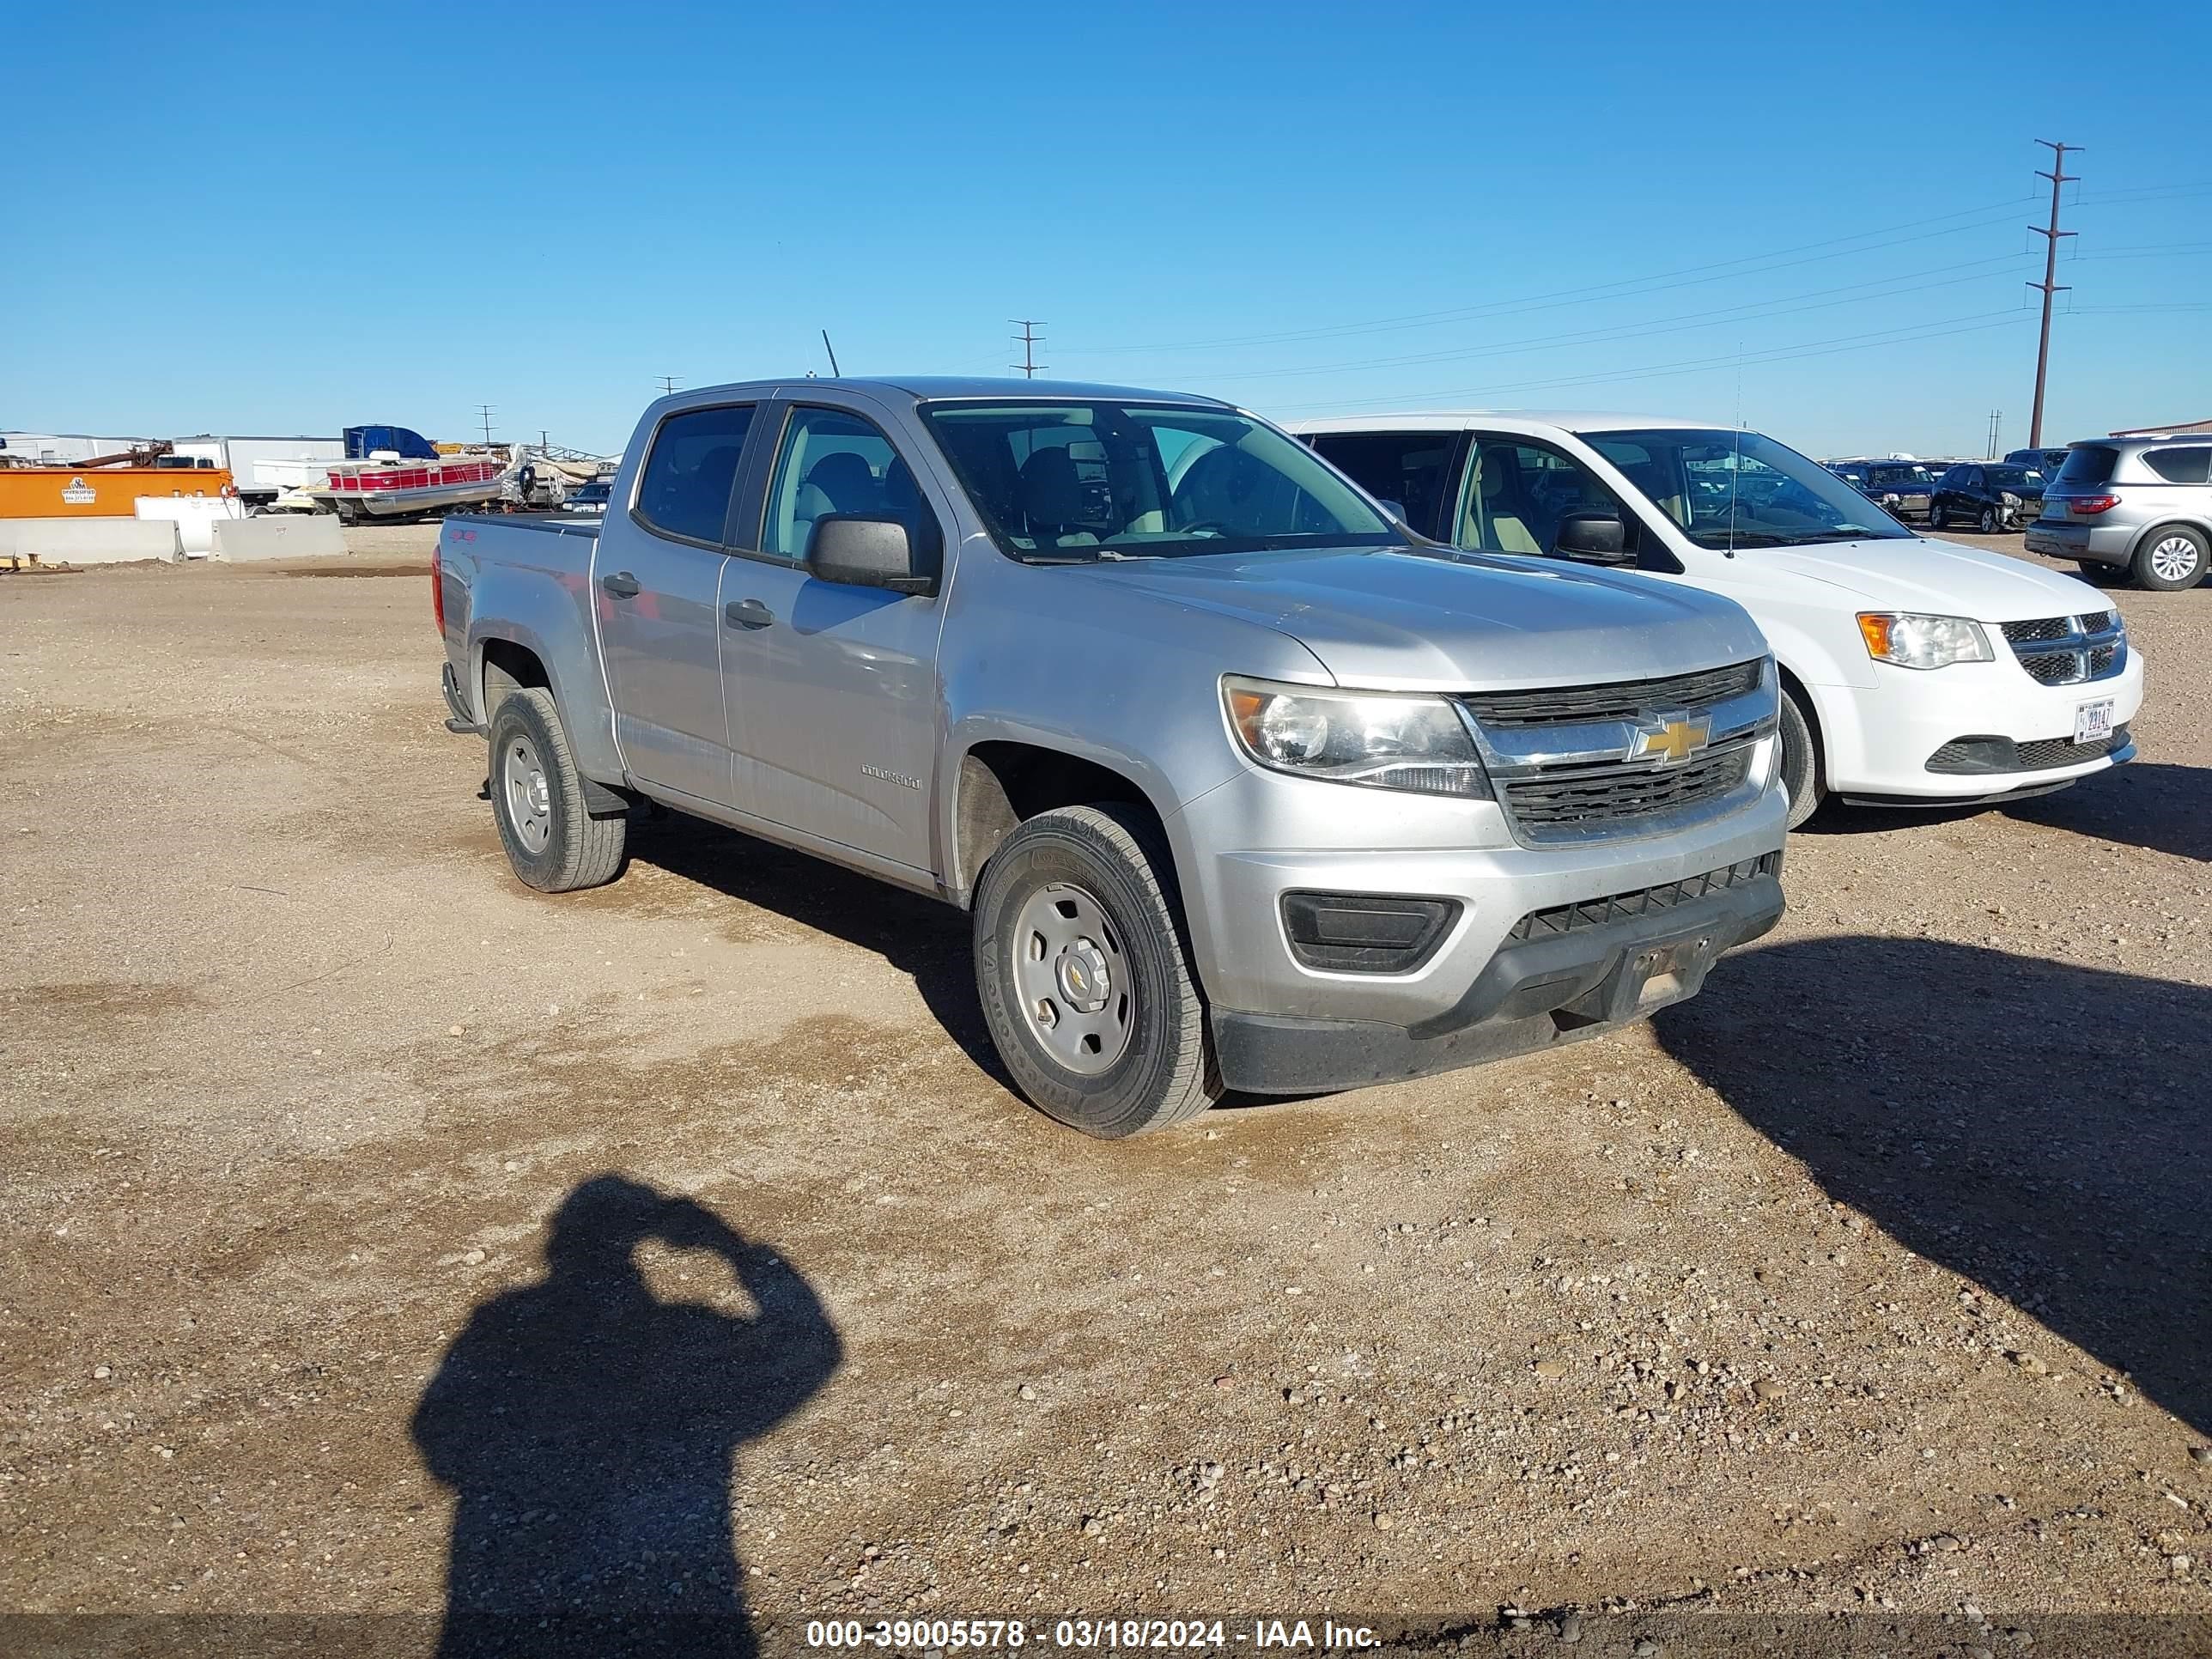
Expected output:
(1801, 763)
(538, 801)
(1077, 905)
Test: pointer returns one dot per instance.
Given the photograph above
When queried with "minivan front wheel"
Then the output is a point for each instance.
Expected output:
(1085, 981)
(2171, 557)
(1801, 763)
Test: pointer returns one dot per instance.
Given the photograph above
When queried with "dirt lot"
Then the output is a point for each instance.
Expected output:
(1875, 1282)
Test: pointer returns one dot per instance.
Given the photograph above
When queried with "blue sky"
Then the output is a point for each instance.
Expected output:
(278, 220)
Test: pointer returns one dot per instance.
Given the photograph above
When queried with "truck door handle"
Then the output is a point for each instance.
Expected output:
(621, 586)
(747, 613)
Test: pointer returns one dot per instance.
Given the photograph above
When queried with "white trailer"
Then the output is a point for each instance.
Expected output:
(262, 468)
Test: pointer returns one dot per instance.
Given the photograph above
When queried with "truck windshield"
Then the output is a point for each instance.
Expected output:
(1064, 481)
(1741, 490)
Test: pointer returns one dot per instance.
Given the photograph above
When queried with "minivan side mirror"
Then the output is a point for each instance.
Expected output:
(861, 552)
(1592, 538)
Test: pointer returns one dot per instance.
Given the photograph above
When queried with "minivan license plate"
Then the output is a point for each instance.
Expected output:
(2092, 721)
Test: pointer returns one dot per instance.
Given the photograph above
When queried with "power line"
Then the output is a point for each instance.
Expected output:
(1756, 310)
(1030, 340)
(1969, 323)
(1688, 276)
(2049, 284)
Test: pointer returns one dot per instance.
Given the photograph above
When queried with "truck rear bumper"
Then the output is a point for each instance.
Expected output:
(1535, 993)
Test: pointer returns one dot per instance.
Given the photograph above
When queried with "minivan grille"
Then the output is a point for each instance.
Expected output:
(1614, 796)
(1627, 700)
(2068, 650)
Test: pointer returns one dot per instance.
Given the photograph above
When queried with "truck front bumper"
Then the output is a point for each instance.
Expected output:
(1537, 944)
(1535, 993)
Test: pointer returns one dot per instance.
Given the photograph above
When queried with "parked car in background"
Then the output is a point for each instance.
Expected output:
(590, 497)
(1915, 672)
(1993, 496)
(2138, 505)
(1244, 786)
(2045, 461)
(1901, 488)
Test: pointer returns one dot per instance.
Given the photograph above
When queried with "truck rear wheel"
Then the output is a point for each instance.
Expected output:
(538, 800)
(1085, 979)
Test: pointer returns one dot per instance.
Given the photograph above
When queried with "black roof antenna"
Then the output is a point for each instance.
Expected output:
(834, 373)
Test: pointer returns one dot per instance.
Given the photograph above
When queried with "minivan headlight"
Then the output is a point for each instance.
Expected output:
(1912, 640)
(1381, 739)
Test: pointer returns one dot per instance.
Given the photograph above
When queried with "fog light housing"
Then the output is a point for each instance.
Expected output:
(1365, 932)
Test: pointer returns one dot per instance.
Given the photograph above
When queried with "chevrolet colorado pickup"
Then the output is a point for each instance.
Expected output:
(1245, 787)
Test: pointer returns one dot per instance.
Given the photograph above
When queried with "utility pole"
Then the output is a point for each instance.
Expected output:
(1030, 342)
(667, 385)
(2049, 284)
(485, 410)
(1996, 425)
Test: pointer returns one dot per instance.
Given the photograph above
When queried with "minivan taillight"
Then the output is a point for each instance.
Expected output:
(2088, 506)
(438, 589)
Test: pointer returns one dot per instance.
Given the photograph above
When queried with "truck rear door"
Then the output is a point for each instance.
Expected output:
(833, 689)
(656, 577)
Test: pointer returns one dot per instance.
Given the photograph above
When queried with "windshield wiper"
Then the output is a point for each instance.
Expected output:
(1085, 555)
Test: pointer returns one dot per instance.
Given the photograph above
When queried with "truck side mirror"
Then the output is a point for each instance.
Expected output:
(1592, 538)
(861, 552)
(1395, 509)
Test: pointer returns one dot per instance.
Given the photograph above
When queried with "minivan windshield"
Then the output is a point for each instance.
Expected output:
(1062, 480)
(1741, 490)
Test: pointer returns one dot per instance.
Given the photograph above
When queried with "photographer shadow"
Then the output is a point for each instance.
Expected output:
(2035, 1127)
(588, 1430)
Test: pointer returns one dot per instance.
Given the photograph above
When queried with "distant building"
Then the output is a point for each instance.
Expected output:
(2163, 431)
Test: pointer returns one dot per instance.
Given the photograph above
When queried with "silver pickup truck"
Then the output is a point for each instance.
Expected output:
(1246, 787)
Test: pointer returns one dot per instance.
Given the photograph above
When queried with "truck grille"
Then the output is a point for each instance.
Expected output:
(1626, 701)
(2068, 650)
(1615, 796)
(1619, 907)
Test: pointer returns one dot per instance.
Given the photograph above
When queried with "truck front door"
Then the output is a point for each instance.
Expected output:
(833, 689)
(655, 578)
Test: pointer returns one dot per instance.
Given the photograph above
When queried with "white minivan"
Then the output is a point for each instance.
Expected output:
(1918, 672)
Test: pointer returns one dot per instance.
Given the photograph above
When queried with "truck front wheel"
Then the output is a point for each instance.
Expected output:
(1085, 979)
(538, 800)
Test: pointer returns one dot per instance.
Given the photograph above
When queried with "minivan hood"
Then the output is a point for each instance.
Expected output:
(1404, 620)
(1940, 577)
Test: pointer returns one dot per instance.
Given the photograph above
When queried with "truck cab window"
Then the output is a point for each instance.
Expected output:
(684, 490)
(835, 462)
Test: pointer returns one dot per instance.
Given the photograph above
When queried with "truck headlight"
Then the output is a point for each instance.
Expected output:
(1912, 640)
(1384, 740)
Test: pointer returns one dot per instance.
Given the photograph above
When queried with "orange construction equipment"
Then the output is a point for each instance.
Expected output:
(80, 492)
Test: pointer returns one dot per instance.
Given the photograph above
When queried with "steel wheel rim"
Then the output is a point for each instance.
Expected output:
(529, 798)
(2173, 559)
(1077, 984)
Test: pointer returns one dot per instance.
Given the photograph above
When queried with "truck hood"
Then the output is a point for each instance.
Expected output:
(1408, 620)
(1943, 578)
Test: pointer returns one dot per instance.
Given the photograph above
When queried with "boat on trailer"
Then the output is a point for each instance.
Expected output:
(387, 486)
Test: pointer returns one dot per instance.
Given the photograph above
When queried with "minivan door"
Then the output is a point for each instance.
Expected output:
(833, 689)
(655, 580)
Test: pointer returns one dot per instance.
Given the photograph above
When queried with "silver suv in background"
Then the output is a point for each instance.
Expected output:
(2143, 504)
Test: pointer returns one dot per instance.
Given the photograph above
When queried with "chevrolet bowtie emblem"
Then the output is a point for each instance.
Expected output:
(1677, 739)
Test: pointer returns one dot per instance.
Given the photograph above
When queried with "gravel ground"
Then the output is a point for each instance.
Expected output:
(370, 1224)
